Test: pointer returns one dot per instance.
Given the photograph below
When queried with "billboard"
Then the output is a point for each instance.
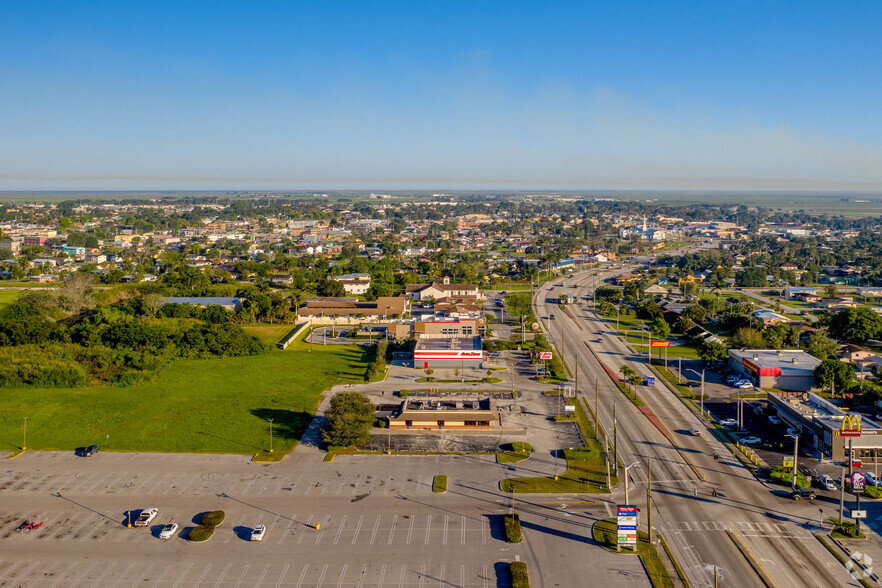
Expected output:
(660, 344)
(626, 525)
(545, 355)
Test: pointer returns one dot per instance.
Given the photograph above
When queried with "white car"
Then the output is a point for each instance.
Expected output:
(827, 482)
(750, 440)
(744, 385)
(694, 432)
(168, 531)
(257, 533)
(729, 423)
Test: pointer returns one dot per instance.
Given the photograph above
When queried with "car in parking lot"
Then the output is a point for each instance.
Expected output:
(257, 533)
(90, 451)
(774, 420)
(803, 493)
(743, 385)
(494, 354)
(827, 483)
(729, 423)
(733, 378)
(168, 531)
(750, 440)
(692, 384)
(871, 479)
(793, 431)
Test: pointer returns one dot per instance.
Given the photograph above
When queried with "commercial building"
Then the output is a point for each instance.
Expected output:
(231, 304)
(440, 291)
(448, 352)
(784, 369)
(820, 424)
(384, 306)
(355, 284)
(433, 413)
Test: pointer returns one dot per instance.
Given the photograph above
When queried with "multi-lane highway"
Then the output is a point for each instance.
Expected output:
(712, 512)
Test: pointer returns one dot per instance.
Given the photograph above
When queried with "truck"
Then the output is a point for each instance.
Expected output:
(147, 515)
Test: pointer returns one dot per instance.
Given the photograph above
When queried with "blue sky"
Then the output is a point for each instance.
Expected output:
(303, 95)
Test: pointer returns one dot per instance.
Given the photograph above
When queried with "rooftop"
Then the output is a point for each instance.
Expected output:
(789, 361)
(449, 344)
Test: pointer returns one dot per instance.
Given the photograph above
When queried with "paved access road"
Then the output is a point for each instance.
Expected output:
(700, 527)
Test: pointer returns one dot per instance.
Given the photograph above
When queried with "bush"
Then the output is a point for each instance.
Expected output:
(519, 576)
(847, 530)
(201, 533)
(784, 476)
(512, 528)
(212, 519)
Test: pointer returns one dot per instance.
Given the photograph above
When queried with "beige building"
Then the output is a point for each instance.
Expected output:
(433, 413)
(443, 290)
(388, 306)
(355, 284)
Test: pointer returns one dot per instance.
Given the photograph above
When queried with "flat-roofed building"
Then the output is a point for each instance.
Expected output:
(384, 306)
(355, 284)
(448, 352)
(232, 304)
(784, 369)
(434, 413)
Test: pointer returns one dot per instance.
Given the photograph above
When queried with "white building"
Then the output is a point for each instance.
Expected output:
(356, 284)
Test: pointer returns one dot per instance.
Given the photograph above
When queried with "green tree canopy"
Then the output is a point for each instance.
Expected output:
(856, 325)
(833, 371)
(350, 417)
(820, 345)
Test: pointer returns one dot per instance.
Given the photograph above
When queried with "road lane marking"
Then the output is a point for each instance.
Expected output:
(376, 526)
(357, 529)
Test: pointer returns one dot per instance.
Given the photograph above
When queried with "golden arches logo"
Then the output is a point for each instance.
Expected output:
(851, 426)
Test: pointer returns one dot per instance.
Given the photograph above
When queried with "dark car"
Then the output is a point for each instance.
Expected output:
(691, 384)
(90, 451)
(803, 493)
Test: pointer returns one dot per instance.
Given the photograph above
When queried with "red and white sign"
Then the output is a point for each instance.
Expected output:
(545, 355)
(660, 344)
(535, 326)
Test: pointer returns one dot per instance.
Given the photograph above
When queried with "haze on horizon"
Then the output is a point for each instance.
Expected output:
(227, 95)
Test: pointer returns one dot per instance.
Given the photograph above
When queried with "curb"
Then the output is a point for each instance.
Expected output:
(751, 559)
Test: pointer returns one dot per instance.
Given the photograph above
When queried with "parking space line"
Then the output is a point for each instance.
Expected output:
(441, 576)
(94, 529)
(281, 483)
(462, 533)
(355, 486)
(483, 530)
(342, 576)
(410, 530)
(251, 482)
(123, 575)
(392, 530)
(376, 526)
(143, 575)
(80, 526)
(324, 488)
(428, 528)
(146, 480)
(422, 575)
(162, 575)
(357, 529)
(403, 486)
(462, 575)
(46, 571)
(202, 576)
(382, 576)
(387, 485)
(485, 576)
(444, 537)
(262, 575)
(181, 577)
(306, 528)
(321, 533)
(340, 485)
(401, 576)
(322, 576)
(160, 483)
(302, 575)
(294, 485)
(232, 531)
(242, 577)
(66, 572)
(361, 576)
(222, 574)
(288, 528)
(340, 530)
(282, 575)
(28, 570)
(309, 486)
(12, 567)
(195, 480)
(272, 525)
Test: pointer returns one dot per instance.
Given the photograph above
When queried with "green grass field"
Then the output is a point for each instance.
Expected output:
(7, 296)
(214, 405)
(269, 334)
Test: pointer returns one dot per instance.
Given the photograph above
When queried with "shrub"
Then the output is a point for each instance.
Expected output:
(846, 529)
(519, 577)
(212, 519)
(512, 528)
(201, 533)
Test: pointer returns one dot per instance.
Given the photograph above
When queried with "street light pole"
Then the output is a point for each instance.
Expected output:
(130, 484)
(615, 443)
(271, 434)
(795, 454)
(318, 525)
(24, 442)
(628, 467)
(702, 395)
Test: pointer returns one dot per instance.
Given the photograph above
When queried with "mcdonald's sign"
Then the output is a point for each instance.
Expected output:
(850, 427)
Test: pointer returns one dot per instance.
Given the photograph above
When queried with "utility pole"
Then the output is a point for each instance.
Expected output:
(596, 430)
(649, 503)
(318, 525)
(130, 484)
(702, 396)
(24, 442)
(795, 454)
(615, 443)
(680, 370)
(841, 492)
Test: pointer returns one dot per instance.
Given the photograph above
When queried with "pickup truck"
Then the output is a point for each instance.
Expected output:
(147, 515)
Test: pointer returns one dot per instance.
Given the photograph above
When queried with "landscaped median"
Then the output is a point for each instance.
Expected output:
(519, 452)
(439, 484)
(207, 523)
(519, 576)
